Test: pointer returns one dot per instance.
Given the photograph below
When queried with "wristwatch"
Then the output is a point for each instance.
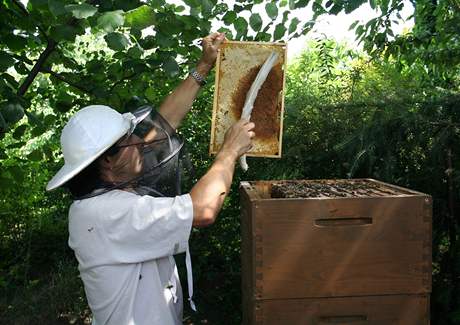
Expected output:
(198, 77)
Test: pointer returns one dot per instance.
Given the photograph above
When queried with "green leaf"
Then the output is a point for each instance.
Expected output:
(6, 61)
(151, 94)
(165, 41)
(280, 30)
(12, 112)
(353, 25)
(293, 25)
(6, 182)
(135, 52)
(179, 8)
(116, 41)
(195, 11)
(49, 120)
(171, 67)
(226, 31)
(111, 20)
(192, 3)
(9, 79)
(16, 145)
(336, 9)
(141, 17)
(65, 32)
(15, 42)
(35, 155)
(206, 8)
(241, 26)
(359, 31)
(149, 41)
(301, 4)
(355, 4)
(272, 10)
(285, 16)
(64, 102)
(229, 18)
(255, 21)
(220, 9)
(318, 9)
(3, 155)
(263, 37)
(21, 68)
(56, 7)
(37, 5)
(205, 27)
(19, 131)
(81, 11)
(17, 173)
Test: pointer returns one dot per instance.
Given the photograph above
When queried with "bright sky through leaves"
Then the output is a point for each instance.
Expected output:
(336, 27)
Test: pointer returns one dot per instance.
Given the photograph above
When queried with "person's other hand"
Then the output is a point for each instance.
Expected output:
(238, 138)
(210, 45)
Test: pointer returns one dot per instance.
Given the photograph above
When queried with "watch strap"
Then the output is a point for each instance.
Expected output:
(198, 77)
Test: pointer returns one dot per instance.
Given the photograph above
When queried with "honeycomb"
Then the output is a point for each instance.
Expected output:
(237, 66)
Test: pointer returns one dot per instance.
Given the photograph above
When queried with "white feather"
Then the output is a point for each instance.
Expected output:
(252, 94)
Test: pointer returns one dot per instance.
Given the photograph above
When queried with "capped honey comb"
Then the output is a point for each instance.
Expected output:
(237, 66)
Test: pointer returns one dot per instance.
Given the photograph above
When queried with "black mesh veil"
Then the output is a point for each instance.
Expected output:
(165, 161)
(163, 157)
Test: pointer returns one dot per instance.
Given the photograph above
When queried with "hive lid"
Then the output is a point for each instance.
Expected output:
(237, 66)
(325, 188)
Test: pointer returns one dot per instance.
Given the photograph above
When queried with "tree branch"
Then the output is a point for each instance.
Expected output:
(37, 67)
(121, 80)
(50, 46)
(63, 79)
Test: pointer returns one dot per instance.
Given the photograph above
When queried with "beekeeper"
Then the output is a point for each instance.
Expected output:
(123, 239)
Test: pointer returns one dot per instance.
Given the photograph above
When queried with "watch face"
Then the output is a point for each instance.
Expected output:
(198, 77)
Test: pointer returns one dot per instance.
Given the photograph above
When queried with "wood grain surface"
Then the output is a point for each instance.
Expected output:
(366, 310)
(324, 248)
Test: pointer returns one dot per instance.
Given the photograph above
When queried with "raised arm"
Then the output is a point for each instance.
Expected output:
(209, 192)
(178, 103)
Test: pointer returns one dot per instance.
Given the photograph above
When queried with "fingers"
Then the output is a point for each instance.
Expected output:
(212, 36)
(249, 126)
(245, 124)
(214, 39)
(219, 39)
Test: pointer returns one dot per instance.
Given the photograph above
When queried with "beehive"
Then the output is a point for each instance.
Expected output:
(237, 66)
(348, 252)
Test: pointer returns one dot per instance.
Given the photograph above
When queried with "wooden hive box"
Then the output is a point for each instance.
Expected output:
(350, 252)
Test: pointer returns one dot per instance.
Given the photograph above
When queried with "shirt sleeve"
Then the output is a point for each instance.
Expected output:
(145, 227)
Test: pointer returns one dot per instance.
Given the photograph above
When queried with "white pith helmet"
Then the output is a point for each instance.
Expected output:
(88, 134)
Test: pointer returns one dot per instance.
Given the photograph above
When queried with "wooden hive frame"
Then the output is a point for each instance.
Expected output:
(270, 148)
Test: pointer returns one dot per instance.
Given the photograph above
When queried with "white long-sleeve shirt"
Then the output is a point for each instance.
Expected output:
(124, 244)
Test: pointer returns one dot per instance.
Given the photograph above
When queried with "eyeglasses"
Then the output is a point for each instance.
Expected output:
(115, 149)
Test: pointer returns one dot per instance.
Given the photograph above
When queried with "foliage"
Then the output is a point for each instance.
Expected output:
(390, 114)
(58, 56)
